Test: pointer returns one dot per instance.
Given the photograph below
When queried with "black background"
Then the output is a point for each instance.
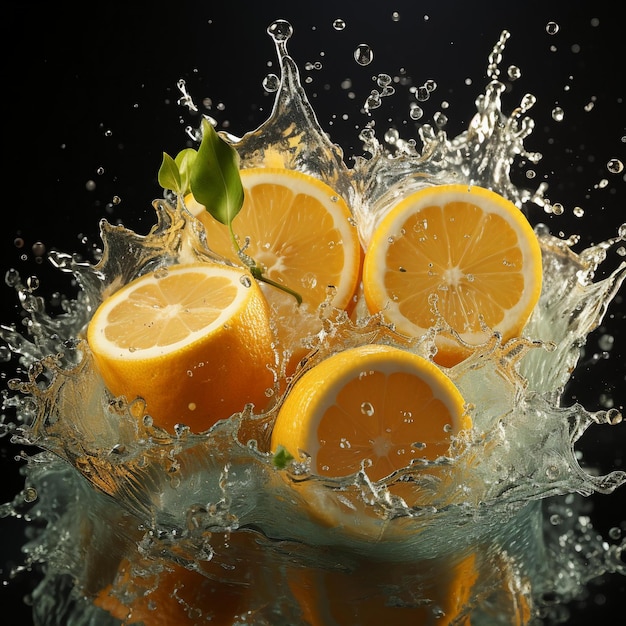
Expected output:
(90, 86)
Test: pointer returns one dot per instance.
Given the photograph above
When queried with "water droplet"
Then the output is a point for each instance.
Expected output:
(373, 101)
(527, 102)
(615, 166)
(513, 72)
(280, 30)
(395, 16)
(271, 83)
(415, 111)
(605, 342)
(245, 280)
(440, 119)
(578, 211)
(39, 249)
(621, 231)
(558, 208)
(422, 94)
(363, 54)
(552, 472)
(30, 494)
(383, 80)
(180, 430)
(367, 408)
(613, 417)
(339, 24)
(558, 114)
(555, 519)
(5, 357)
(309, 280)
(552, 28)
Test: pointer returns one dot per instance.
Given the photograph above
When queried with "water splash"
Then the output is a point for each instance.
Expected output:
(178, 495)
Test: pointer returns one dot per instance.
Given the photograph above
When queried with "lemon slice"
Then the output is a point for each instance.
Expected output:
(373, 406)
(468, 247)
(194, 341)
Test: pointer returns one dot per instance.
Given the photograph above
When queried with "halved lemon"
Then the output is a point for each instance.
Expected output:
(373, 406)
(463, 250)
(302, 234)
(194, 341)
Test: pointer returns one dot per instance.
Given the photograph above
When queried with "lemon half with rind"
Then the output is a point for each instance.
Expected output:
(193, 341)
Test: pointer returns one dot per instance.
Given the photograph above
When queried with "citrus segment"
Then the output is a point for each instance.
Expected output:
(194, 341)
(300, 231)
(374, 405)
(466, 246)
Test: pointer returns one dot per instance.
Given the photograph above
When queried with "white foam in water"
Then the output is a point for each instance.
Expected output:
(514, 505)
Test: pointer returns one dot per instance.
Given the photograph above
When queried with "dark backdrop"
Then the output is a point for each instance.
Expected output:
(90, 95)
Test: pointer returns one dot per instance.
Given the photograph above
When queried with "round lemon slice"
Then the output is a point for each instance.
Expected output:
(460, 252)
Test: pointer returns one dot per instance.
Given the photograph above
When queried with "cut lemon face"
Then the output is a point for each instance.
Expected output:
(373, 406)
(194, 341)
(300, 231)
(469, 248)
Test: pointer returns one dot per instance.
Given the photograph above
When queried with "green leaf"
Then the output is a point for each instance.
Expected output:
(185, 160)
(282, 457)
(169, 176)
(215, 180)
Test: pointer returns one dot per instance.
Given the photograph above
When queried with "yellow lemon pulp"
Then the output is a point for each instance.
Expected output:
(194, 341)
(374, 404)
(467, 247)
(301, 232)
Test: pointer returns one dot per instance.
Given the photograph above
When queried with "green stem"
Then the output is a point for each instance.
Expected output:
(234, 239)
(258, 274)
(256, 271)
